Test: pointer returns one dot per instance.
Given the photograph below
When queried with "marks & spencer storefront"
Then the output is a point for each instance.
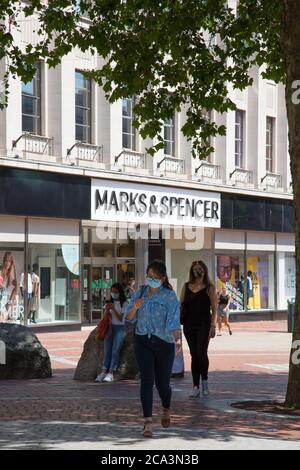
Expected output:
(65, 239)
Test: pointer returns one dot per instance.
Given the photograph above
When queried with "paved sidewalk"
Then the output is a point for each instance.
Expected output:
(59, 413)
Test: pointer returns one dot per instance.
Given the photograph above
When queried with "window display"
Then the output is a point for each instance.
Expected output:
(256, 285)
(260, 279)
(56, 287)
(290, 276)
(286, 269)
(230, 273)
(11, 269)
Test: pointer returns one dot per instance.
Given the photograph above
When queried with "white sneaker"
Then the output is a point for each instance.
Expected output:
(108, 378)
(195, 393)
(100, 377)
(205, 388)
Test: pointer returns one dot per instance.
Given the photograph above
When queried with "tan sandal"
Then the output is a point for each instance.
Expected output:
(166, 417)
(147, 432)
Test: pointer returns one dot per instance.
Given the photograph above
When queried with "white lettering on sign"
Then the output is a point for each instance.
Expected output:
(122, 202)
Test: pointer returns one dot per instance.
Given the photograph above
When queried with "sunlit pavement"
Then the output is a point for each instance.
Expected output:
(60, 413)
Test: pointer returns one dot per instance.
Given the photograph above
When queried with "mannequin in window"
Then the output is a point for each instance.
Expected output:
(35, 301)
(29, 286)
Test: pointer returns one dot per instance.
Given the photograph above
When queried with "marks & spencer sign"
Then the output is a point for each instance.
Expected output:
(124, 202)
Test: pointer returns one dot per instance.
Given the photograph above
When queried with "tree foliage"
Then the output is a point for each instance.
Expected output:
(171, 54)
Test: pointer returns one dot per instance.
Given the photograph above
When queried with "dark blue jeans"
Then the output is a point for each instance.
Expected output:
(112, 347)
(155, 359)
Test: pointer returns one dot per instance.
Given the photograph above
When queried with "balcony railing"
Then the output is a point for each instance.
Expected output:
(131, 158)
(83, 152)
(240, 175)
(172, 165)
(32, 143)
(272, 181)
(208, 171)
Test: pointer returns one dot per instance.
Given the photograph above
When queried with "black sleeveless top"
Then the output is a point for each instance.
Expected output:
(197, 307)
(223, 299)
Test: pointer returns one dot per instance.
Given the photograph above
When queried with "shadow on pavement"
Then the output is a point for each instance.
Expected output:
(58, 412)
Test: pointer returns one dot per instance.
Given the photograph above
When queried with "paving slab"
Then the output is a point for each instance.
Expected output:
(60, 413)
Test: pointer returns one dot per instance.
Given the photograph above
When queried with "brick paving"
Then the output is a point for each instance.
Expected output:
(60, 413)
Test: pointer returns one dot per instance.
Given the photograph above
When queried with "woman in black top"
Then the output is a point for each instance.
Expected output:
(223, 310)
(199, 307)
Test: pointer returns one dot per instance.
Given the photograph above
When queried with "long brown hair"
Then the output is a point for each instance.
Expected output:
(206, 279)
(6, 269)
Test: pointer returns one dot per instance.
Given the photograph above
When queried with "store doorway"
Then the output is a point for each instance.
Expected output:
(102, 280)
(98, 280)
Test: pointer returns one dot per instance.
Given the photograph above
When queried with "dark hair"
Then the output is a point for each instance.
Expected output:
(206, 279)
(120, 289)
(160, 269)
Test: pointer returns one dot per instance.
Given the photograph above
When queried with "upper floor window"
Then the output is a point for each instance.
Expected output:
(169, 137)
(31, 103)
(270, 122)
(239, 138)
(128, 131)
(82, 107)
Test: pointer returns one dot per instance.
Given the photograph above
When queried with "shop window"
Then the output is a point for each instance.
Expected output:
(54, 271)
(260, 281)
(126, 250)
(102, 250)
(289, 277)
(286, 269)
(230, 273)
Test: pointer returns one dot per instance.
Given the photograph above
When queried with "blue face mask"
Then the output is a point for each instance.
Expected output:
(153, 283)
(114, 296)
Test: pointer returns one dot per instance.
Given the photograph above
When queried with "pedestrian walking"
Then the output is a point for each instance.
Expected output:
(198, 316)
(223, 310)
(113, 342)
(155, 310)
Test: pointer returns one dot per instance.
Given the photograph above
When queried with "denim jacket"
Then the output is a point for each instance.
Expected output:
(159, 314)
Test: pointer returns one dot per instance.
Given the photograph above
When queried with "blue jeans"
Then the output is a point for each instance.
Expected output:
(155, 359)
(112, 347)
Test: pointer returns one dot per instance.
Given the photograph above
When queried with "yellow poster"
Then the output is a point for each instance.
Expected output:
(253, 283)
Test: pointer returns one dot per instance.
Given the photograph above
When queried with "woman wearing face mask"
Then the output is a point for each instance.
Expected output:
(115, 339)
(199, 299)
(155, 310)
